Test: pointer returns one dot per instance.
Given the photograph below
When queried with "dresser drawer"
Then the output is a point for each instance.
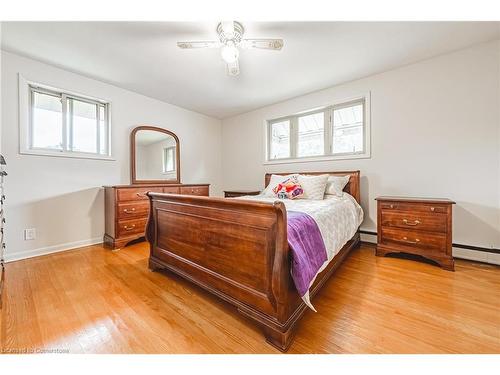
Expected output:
(132, 194)
(414, 220)
(435, 242)
(420, 207)
(171, 190)
(194, 190)
(133, 209)
(130, 227)
(127, 209)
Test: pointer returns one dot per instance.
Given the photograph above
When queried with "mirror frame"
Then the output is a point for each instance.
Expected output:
(132, 156)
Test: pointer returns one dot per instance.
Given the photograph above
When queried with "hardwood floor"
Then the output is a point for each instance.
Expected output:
(93, 300)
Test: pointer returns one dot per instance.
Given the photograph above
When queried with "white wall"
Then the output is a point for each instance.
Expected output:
(435, 132)
(62, 197)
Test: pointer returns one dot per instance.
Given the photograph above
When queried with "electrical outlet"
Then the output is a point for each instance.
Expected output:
(29, 234)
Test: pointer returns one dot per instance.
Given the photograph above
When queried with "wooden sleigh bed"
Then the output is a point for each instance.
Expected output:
(237, 250)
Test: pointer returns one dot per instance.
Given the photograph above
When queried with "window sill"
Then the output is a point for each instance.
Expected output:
(73, 155)
(317, 159)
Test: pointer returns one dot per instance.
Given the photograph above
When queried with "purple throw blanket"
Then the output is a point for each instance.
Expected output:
(308, 249)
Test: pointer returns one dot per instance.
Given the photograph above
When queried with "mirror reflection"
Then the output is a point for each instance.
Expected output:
(155, 156)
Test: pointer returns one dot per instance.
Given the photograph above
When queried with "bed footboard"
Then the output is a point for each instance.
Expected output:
(235, 249)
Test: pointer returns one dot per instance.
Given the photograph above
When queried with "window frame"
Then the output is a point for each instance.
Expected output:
(328, 133)
(26, 96)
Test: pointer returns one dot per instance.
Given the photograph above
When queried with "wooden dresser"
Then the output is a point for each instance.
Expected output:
(127, 209)
(418, 226)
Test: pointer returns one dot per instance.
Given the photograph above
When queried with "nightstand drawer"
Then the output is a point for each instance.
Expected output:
(239, 193)
(414, 220)
(403, 206)
(435, 242)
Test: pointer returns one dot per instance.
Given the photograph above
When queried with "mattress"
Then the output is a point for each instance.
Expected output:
(337, 218)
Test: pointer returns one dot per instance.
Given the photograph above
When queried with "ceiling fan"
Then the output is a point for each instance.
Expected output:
(230, 38)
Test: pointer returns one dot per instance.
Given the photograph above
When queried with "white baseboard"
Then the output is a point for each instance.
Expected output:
(478, 256)
(368, 238)
(50, 249)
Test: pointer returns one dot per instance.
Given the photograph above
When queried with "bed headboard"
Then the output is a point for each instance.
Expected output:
(352, 186)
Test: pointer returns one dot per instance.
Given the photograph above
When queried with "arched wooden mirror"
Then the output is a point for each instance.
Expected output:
(154, 156)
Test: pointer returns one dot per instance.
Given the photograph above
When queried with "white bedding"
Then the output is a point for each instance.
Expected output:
(338, 219)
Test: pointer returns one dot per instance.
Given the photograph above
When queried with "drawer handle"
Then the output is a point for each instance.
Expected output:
(416, 222)
(127, 211)
(405, 239)
(129, 228)
(140, 195)
(433, 209)
(192, 190)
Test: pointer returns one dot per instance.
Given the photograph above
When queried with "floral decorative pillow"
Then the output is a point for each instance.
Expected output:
(275, 180)
(289, 189)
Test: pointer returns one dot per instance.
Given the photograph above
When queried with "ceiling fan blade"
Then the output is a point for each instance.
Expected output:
(233, 69)
(190, 45)
(273, 44)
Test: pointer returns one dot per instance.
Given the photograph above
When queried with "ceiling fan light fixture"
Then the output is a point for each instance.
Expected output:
(227, 29)
(230, 53)
(230, 39)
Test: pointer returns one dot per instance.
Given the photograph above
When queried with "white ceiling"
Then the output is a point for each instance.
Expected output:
(143, 56)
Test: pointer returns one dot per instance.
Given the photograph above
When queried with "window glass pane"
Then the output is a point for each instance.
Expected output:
(348, 129)
(169, 159)
(84, 119)
(103, 134)
(280, 140)
(311, 135)
(46, 121)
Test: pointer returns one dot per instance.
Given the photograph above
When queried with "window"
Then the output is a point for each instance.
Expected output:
(169, 159)
(348, 129)
(280, 139)
(340, 131)
(46, 121)
(311, 135)
(58, 123)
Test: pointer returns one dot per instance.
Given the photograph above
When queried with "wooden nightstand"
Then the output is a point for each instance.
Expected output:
(239, 193)
(418, 226)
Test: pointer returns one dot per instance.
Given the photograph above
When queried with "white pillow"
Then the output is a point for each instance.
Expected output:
(313, 186)
(273, 182)
(336, 185)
